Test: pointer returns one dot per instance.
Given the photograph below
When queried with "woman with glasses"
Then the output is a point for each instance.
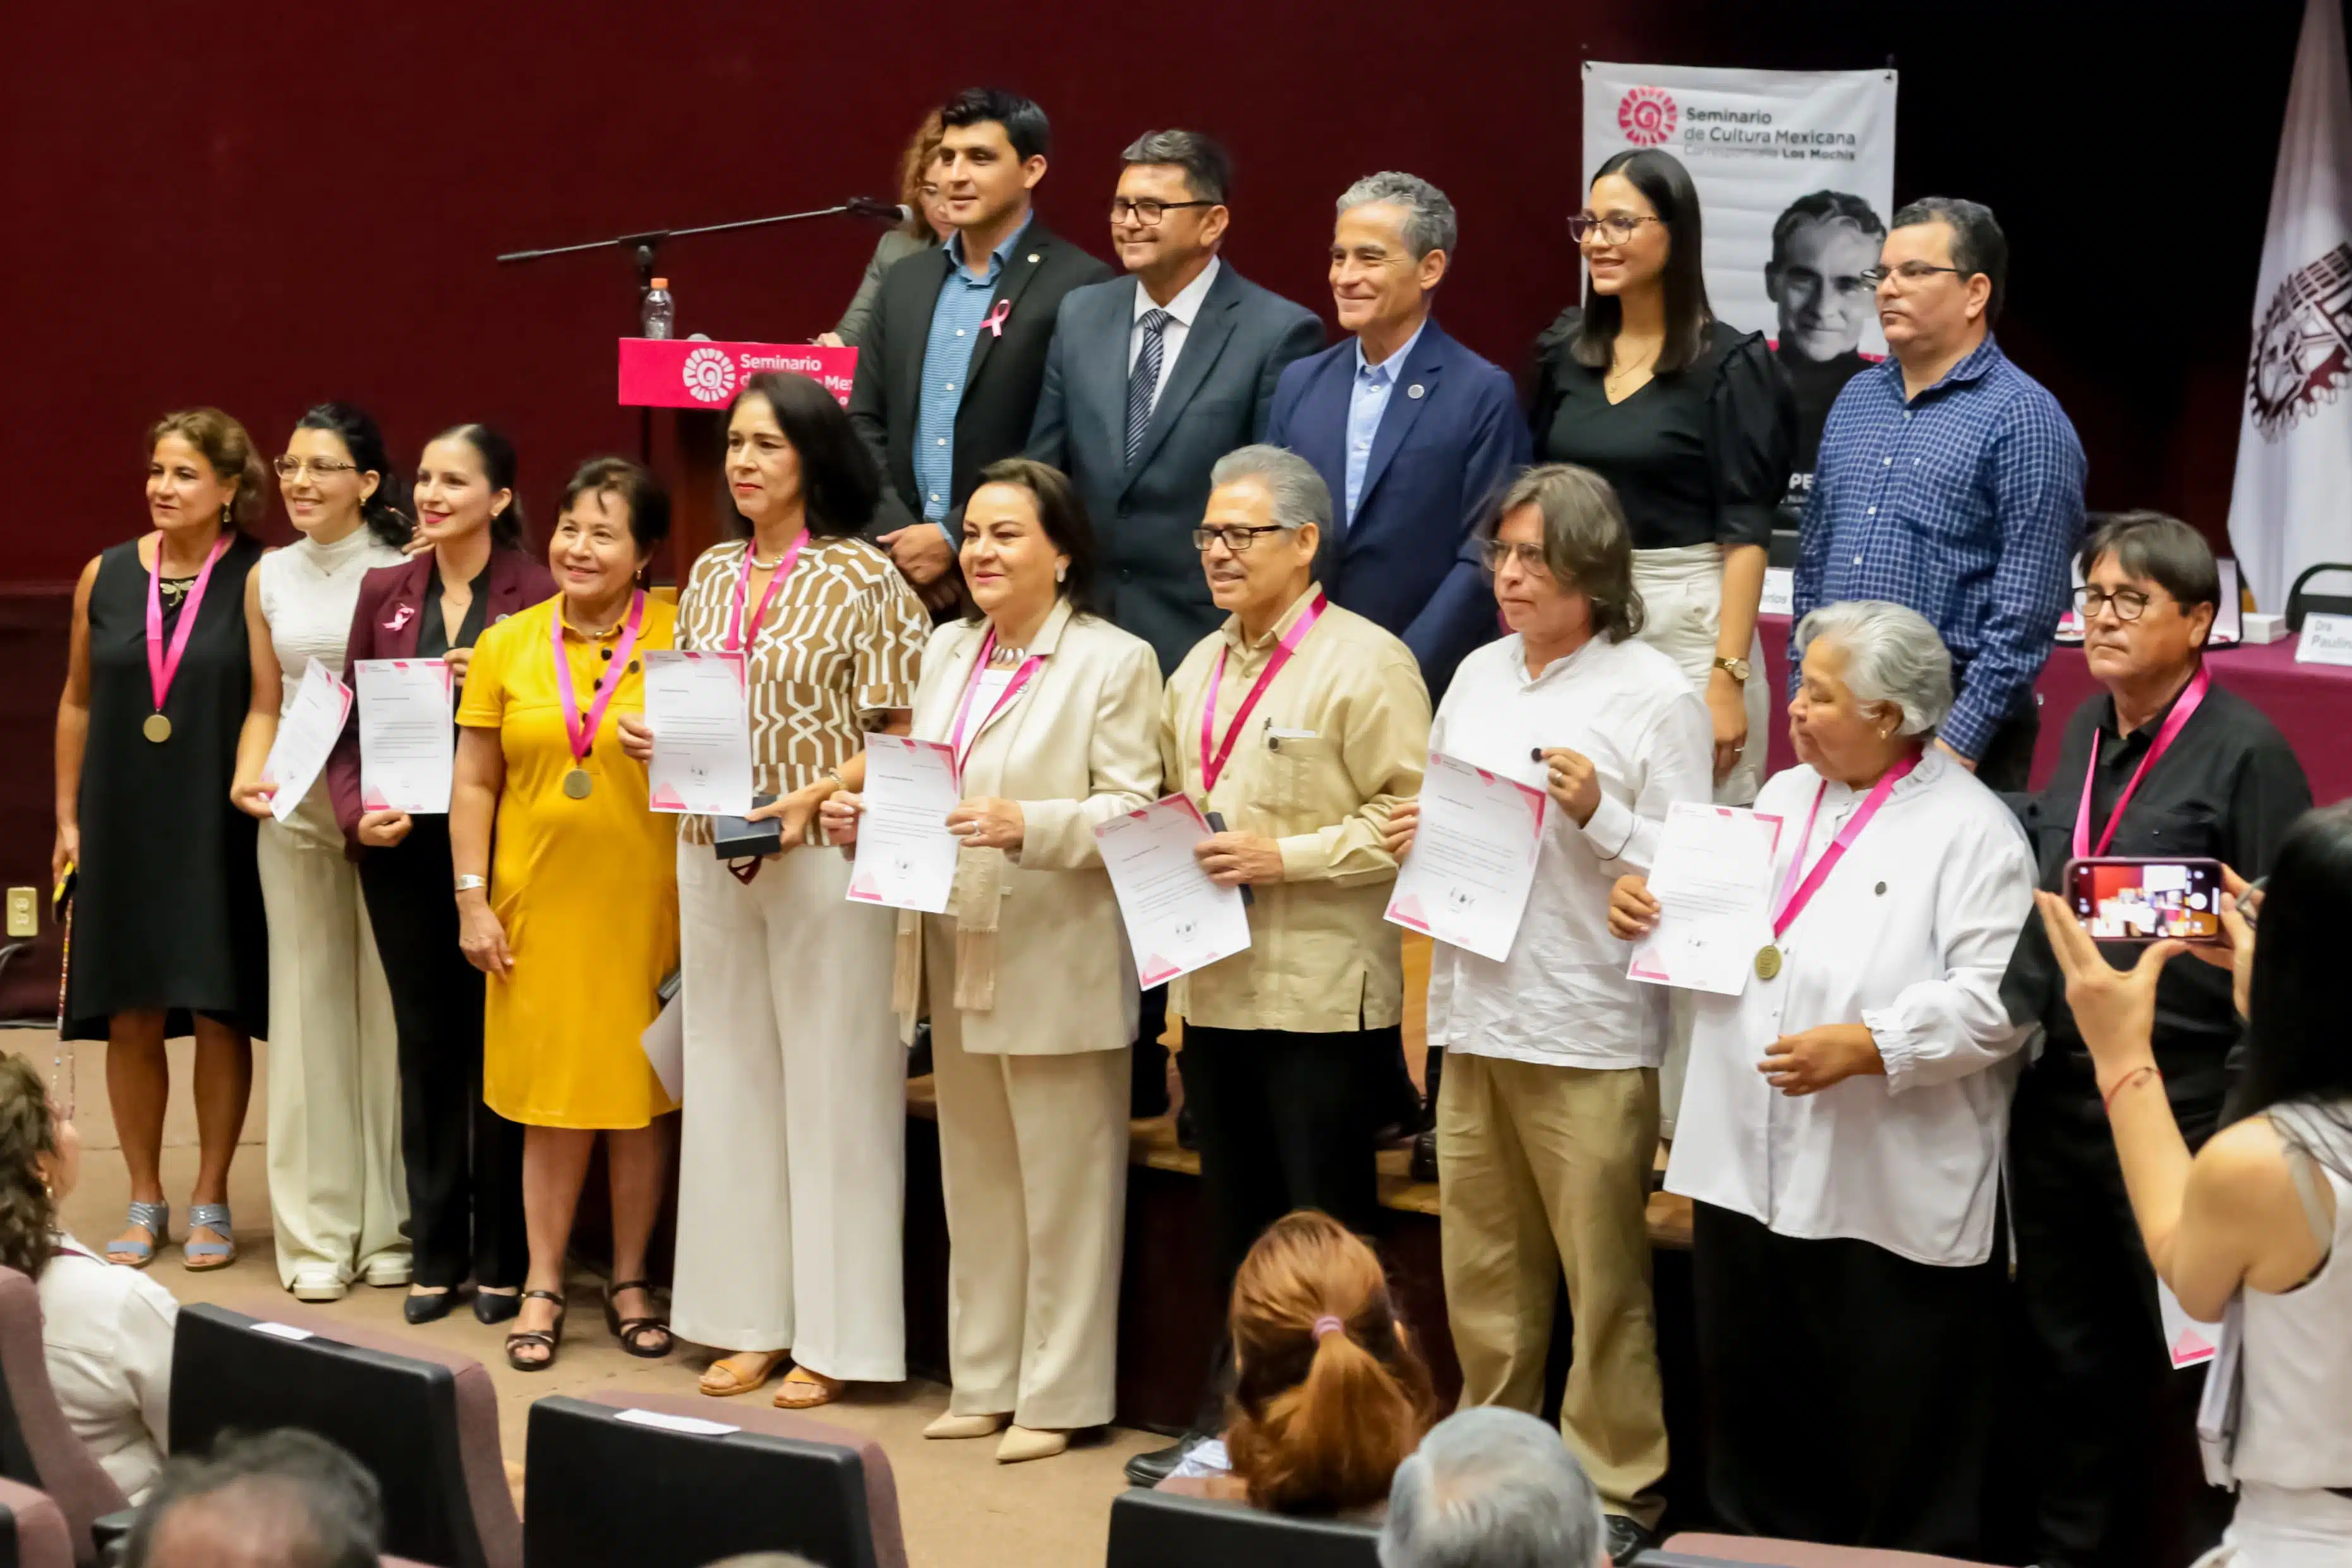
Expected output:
(1692, 423)
(335, 1186)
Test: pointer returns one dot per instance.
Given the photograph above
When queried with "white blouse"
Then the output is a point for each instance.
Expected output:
(106, 1334)
(308, 594)
(1909, 936)
(1562, 997)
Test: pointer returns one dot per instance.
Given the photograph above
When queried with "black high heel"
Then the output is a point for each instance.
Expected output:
(423, 1307)
(552, 1337)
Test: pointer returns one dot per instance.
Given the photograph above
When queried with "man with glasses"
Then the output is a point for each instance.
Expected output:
(2174, 766)
(1821, 246)
(1951, 481)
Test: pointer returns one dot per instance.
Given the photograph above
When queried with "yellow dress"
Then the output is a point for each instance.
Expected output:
(587, 890)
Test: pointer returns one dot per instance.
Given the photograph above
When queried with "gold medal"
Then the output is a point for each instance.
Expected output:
(577, 783)
(157, 728)
(1767, 961)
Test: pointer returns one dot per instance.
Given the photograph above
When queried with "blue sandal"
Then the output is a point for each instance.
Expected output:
(204, 1256)
(155, 1219)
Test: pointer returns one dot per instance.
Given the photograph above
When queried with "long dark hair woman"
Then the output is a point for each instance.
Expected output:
(170, 938)
(1693, 423)
(2253, 1231)
(463, 1160)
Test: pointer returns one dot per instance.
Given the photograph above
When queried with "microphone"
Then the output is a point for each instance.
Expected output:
(887, 212)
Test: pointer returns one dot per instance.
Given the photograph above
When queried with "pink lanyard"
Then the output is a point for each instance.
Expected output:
(2165, 735)
(957, 746)
(1794, 895)
(583, 736)
(1212, 767)
(737, 640)
(163, 665)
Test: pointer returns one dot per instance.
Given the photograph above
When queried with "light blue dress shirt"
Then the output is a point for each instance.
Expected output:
(956, 327)
(1366, 402)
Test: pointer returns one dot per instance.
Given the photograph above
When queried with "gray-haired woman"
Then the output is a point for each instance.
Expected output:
(1841, 1128)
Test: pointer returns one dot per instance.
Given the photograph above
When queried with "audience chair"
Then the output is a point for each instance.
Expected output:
(33, 1532)
(2300, 604)
(641, 1479)
(425, 1422)
(1687, 1551)
(37, 1448)
(1166, 1529)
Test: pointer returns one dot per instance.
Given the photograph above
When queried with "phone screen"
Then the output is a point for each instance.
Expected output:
(2145, 900)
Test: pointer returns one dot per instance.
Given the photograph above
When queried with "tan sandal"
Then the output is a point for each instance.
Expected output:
(721, 1381)
(805, 1390)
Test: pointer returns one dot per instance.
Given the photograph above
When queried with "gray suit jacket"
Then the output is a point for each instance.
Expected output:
(1215, 398)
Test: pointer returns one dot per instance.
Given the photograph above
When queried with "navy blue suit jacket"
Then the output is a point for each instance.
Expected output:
(1408, 559)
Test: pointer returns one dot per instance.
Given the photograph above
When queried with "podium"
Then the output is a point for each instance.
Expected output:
(696, 379)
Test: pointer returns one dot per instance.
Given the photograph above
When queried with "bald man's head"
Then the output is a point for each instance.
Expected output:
(283, 1500)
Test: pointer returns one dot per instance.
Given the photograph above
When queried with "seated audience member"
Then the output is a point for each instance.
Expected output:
(1841, 1129)
(1492, 1489)
(1329, 1394)
(2258, 1222)
(105, 1333)
(2173, 766)
(280, 1499)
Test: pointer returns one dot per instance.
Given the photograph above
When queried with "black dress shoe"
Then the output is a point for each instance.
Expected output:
(1150, 1468)
(1628, 1540)
(492, 1307)
(1422, 1166)
(429, 1308)
(1186, 1137)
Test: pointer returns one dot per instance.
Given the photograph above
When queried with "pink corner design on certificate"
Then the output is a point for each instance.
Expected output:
(373, 800)
(864, 890)
(1155, 970)
(2190, 1348)
(1408, 911)
(668, 799)
(1640, 972)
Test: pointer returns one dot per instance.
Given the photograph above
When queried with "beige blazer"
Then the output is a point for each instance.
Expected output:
(1042, 930)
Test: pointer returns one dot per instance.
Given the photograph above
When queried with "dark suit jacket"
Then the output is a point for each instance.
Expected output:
(1409, 558)
(1216, 396)
(384, 624)
(1000, 390)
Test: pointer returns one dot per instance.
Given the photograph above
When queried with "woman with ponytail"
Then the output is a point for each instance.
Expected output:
(335, 1184)
(1329, 1394)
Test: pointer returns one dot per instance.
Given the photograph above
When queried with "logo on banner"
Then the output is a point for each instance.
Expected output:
(2305, 347)
(1646, 115)
(709, 375)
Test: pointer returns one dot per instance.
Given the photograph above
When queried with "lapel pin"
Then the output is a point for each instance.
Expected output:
(1415, 390)
(1034, 259)
(995, 322)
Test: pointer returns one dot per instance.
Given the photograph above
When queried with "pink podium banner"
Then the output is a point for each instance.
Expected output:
(682, 373)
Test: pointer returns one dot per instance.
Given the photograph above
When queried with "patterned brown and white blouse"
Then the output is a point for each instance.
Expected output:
(841, 645)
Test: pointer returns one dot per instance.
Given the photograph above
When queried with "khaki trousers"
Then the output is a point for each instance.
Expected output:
(1542, 1169)
(338, 1196)
(1033, 1161)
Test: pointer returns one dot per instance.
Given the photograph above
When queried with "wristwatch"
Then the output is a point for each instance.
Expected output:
(468, 884)
(1736, 668)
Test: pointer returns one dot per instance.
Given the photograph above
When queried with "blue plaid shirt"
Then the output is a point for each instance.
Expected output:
(956, 318)
(1966, 504)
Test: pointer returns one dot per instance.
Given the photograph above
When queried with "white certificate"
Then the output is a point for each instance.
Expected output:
(1473, 859)
(306, 731)
(408, 736)
(1713, 881)
(1178, 919)
(906, 856)
(702, 734)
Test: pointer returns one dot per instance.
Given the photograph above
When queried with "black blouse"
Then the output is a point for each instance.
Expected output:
(1698, 456)
(432, 640)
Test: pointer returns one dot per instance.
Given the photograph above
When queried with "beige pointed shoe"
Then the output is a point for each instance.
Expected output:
(1023, 1442)
(954, 1425)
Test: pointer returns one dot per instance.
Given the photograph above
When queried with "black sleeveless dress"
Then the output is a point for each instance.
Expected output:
(167, 909)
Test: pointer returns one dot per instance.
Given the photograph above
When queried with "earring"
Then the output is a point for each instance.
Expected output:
(1061, 573)
(224, 515)
(1885, 734)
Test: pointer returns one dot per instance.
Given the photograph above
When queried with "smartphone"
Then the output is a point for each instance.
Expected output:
(2143, 898)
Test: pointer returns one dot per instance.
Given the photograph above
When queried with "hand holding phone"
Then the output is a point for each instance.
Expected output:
(2144, 897)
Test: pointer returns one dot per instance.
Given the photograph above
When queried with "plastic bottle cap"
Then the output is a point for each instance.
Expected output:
(661, 282)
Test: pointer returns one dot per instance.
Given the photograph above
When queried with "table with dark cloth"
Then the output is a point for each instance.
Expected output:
(2310, 703)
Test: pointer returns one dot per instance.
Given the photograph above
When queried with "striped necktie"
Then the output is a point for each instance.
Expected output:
(1145, 382)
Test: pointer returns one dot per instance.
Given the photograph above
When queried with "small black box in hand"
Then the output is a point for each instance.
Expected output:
(738, 838)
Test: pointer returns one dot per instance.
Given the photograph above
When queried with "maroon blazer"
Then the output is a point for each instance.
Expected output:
(385, 625)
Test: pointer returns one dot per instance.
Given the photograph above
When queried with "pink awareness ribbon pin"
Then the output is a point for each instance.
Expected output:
(996, 317)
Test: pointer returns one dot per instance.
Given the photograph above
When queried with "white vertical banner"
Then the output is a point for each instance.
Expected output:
(1795, 173)
(2291, 502)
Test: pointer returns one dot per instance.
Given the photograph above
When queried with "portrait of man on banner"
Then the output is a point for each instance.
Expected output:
(1822, 244)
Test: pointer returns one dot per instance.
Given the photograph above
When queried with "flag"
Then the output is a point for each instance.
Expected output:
(2291, 503)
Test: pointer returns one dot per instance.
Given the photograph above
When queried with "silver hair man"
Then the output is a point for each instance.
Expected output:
(1893, 655)
(1492, 1489)
(1300, 495)
(1429, 222)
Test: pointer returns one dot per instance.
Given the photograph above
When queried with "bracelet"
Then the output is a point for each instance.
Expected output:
(466, 884)
(2138, 1075)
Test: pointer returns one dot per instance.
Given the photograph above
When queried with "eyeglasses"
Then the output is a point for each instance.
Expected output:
(1909, 273)
(2128, 604)
(1146, 212)
(325, 468)
(1530, 557)
(1237, 540)
(1617, 228)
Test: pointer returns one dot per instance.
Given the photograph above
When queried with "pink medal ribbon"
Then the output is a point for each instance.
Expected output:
(956, 745)
(1796, 895)
(1212, 767)
(996, 317)
(740, 638)
(582, 734)
(164, 663)
(2191, 698)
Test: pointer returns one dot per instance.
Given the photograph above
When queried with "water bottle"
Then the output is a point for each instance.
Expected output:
(660, 314)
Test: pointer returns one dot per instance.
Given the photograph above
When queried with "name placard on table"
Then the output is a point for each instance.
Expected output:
(2326, 640)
